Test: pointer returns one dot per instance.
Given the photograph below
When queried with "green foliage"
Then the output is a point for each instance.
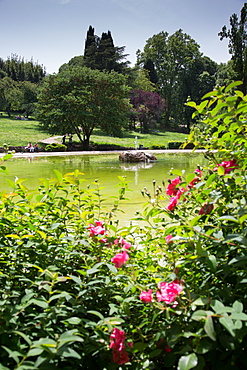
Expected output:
(237, 44)
(77, 100)
(100, 53)
(174, 144)
(54, 147)
(18, 70)
(63, 296)
(181, 72)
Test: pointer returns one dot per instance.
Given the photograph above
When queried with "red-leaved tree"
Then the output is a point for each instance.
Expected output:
(147, 107)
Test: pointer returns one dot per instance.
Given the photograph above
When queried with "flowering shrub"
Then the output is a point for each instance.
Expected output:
(77, 291)
(120, 259)
(117, 344)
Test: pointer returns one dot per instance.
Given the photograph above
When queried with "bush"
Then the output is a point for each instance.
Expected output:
(55, 148)
(158, 147)
(79, 292)
(174, 144)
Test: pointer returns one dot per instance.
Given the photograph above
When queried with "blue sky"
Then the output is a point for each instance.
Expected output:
(53, 31)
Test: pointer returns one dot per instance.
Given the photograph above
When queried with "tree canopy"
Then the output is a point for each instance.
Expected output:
(77, 100)
(237, 36)
(19, 70)
(101, 53)
(177, 66)
(147, 107)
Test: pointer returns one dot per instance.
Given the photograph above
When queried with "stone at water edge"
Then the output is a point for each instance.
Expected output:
(136, 156)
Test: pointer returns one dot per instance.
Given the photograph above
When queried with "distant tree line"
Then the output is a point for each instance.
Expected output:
(19, 70)
(19, 81)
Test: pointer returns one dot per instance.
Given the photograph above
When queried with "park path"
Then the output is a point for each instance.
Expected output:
(52, 140)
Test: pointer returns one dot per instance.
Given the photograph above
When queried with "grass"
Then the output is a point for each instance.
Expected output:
(19, 132)
(15, 132)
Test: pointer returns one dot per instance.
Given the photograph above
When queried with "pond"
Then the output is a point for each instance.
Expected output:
(105, 168)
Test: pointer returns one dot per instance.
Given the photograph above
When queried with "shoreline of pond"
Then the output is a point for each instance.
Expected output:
(78, 153)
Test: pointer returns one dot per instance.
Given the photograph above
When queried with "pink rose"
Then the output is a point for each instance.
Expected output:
(96, 229)
(119, 259)
(228, 166)
(176, 181)
(168, 239)
(169, 291)
(119, 354)
(206, 209)
(167, 349)
(180, 192)
(198, 172)
(194, 182)
(120, 357)
(117, 339)
(146, 296)
(172, 205)
(122, 243)
(171, 187)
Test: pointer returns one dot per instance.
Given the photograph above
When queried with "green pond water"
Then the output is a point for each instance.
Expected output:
(106, 169)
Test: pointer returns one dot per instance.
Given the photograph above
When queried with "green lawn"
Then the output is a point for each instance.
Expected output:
(19, 132)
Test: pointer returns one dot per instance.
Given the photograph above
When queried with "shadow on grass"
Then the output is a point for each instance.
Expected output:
(132, 134)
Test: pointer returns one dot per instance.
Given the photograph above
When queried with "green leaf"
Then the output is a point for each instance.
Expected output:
(13, 354)
(190, 177)
(73, 320)
(233, 84)
(217, 306)
(187, 362)
(202, 301)
(210, 179)
(24, 336)
(228, 218)
(58, 175)
(69, 352)
(35, 352)
(112, 268)
(228, 324)
(212, 262)
(221, 170)
(238, 316)
(201, 107)
(97, 314)
(199, 315)
(209, 328)
(238, 306)
(39, 302)
(191, 104)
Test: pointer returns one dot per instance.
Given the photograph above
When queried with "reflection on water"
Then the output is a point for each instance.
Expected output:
(106, 169)
(136, 168)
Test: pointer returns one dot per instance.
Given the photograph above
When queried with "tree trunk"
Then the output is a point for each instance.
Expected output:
(85, 144)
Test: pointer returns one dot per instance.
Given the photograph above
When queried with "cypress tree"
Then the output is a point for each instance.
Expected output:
(149, 66)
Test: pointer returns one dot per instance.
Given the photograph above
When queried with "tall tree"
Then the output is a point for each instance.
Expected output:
(180, 68)
(90, 50)
(77, 100)
(237, 45)
(148, 106)
(172, 57)
(101, 53)
(152, 74)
